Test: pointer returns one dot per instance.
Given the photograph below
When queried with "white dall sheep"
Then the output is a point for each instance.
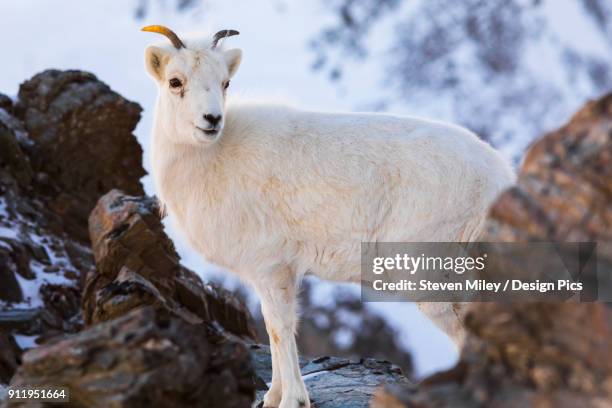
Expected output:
(272, 193)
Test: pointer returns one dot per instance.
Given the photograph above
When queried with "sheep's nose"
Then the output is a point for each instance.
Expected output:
(212, 119)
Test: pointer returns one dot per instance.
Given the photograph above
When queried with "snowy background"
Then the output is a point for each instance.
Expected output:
(465, 61)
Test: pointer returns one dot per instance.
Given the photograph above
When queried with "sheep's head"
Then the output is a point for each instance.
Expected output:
(192, 80)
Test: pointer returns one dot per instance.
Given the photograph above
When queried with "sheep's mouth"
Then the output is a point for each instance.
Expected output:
(208, 132)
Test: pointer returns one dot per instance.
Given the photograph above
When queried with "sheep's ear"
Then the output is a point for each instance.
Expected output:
(232, 59)
(156, 59)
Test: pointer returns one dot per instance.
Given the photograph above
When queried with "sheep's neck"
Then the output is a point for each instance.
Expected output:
(178, 169)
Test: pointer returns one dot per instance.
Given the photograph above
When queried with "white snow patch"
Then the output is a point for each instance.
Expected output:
(9, 230)
(8, 233)
(31, 287)
(25, 342)
(351, 319)
(344, 338)
(3, 207)
(321, 320)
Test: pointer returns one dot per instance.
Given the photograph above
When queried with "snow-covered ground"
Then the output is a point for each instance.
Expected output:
(103, 37)
(21, 229)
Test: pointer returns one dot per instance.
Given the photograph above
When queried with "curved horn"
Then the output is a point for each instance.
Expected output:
(221, 35)
(176, 41)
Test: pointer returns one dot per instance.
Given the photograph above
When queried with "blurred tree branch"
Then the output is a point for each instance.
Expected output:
(450, 49)
(143, 6)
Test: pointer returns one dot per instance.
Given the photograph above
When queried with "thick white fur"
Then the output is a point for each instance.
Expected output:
(282, 192)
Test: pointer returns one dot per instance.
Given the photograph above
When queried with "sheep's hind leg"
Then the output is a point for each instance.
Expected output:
(278, 305)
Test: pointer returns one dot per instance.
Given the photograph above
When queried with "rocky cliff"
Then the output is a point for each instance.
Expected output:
(88, 272)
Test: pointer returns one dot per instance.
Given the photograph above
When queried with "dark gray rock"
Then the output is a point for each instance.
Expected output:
(332, 382)
(10, 291)
(6, 103)
(28, 321)
(13, 160)
(10, 357)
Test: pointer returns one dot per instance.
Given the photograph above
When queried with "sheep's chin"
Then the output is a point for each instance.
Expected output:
(202, 138)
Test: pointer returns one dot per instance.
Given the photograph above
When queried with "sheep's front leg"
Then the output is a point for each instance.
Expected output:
(274, 394)
(278, 305)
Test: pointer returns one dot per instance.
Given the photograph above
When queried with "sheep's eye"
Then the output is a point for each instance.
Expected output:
(175, 83)
(226, 84)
